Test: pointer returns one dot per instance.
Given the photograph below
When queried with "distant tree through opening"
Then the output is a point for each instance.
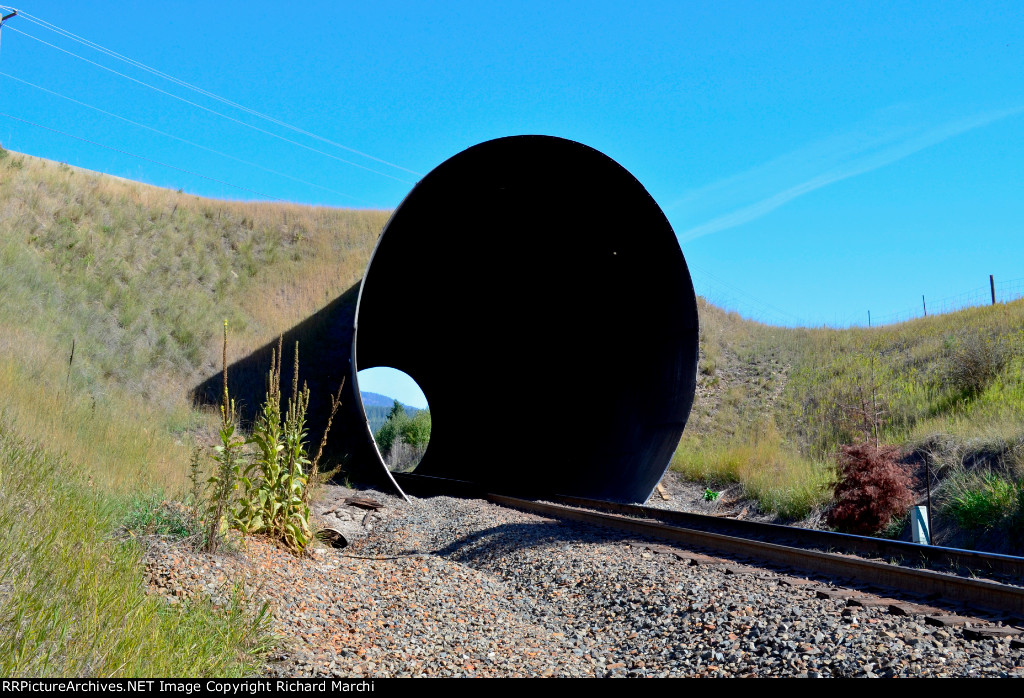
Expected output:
(398, 416)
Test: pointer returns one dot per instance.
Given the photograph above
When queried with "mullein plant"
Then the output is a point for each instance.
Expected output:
(274, 483)
(228, 461)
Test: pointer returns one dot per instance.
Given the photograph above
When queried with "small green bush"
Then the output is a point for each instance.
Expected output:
(982, 502)
(153, 514)
(265, 491)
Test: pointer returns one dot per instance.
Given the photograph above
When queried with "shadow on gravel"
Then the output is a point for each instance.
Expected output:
(510, 537)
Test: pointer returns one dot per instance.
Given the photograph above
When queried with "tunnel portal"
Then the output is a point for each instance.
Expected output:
(537, 294)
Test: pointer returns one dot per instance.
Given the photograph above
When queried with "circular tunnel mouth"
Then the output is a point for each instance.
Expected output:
(397, 415)
(542, 264)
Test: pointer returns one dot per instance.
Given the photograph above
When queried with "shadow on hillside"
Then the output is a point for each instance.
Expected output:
(325, 355)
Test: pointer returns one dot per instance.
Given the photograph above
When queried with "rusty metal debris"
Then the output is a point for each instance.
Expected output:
(364, 503)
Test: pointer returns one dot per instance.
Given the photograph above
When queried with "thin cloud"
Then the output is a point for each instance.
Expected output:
(755, 193)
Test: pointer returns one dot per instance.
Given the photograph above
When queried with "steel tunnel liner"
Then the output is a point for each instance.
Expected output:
(538, 295)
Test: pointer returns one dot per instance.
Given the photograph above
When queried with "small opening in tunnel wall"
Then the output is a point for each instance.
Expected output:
(398, 414)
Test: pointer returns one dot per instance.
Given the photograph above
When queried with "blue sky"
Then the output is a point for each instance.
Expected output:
(388, 381)
(817, 160)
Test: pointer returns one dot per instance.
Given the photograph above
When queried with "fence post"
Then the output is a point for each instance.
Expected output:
(869, 319)
(924, 306)
(992, 285)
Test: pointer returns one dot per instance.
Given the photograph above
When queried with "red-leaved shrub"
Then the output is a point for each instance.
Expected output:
(872, 489)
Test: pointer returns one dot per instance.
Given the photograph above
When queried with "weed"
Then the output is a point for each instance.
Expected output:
(316, 478)
(274, 483)
(894, 529)
(710, 495)
(228, 461)
(195, 478)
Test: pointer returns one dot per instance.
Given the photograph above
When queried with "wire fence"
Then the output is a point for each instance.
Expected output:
(1005, 291)
(731, 298)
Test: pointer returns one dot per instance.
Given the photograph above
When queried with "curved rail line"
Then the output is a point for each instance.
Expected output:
(784, 545)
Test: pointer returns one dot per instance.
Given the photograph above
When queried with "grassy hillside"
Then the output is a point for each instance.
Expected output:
(140, 279)
(113, 297)
(774, 405)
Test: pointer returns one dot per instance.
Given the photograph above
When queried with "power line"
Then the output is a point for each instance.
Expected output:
(178, 138)
(212, 111)
(140, 157)
(763, 305)
(113, 54)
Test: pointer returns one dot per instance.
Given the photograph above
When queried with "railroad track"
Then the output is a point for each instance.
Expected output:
(977, 579)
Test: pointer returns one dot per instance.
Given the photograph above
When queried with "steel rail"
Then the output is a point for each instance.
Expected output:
(973, 560)
(974, 592)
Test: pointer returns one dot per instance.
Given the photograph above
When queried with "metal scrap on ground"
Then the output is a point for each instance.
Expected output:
(363, 503)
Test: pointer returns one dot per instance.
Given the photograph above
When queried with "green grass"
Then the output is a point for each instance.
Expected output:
(151, 513)
(955, 380)
(72, 599)
(813, 380)
(779, 480)
(983, 501)
(139, 280)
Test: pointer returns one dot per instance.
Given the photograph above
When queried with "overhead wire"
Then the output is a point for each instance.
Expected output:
(142, 66)
(182, 140)
(208, 109)
(141, 157)
(763, 305)
(114, 54)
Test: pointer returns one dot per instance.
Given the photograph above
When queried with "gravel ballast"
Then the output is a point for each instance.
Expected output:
(455, 587)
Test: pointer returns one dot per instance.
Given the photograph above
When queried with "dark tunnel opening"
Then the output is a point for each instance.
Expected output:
(544, 264)
(537, 294)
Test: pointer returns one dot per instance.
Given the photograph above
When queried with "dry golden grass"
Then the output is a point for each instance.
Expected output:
(142, 277)
(120, 441)
(778, 478)
(139, 279)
